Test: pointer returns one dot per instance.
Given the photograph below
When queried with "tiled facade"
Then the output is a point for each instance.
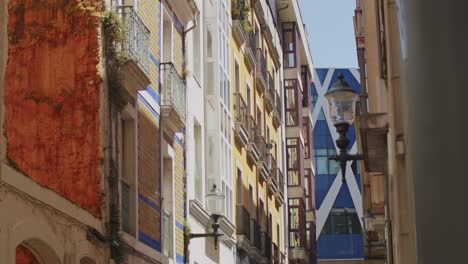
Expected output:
(339, 230)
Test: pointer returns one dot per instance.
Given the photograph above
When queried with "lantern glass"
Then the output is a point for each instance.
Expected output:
(342, 106)
(214, 201)
(368, 221)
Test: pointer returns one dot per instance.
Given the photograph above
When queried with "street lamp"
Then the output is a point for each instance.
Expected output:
(368, 226)
(368, 221)
(214, 201)
(342, 109)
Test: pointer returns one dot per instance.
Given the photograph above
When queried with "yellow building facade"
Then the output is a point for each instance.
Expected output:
(257, 148)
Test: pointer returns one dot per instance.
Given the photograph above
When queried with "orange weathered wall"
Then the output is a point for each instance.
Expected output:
(52, 96)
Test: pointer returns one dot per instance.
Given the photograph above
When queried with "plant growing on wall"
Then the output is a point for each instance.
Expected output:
(115, 33)
(241, 11)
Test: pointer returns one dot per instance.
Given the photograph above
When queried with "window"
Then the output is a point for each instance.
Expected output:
(305, 86)
(198, 163)
(128, 180)
(292, 160)
(323, 164)
(197, 61)
(259, 120)
(223, 72)
(236, 77)
(240, 187)
(308, 189)
(289, 44)
(249, 109)
(342, 221)
(296, 222)
(306, 131)
(291, 104)
(165, 233)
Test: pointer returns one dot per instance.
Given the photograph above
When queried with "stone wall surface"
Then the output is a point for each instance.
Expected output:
(52, 94)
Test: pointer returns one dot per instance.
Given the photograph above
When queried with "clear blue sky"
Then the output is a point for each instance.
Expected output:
(331, 32)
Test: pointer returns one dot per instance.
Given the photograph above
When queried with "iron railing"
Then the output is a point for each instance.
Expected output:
(269, 160)
(279, 105)
(250, 42)
(137, 37)
(267, 247)
(275, 255)
(241, 109)
(173, 89)
(271, 88)
(242, 221)
(251, 128)
(261, 144)
(280, 178)
(256, 234)
(262, 65)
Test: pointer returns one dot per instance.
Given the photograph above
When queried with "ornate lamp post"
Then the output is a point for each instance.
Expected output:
(214, 201)
(368, 226)
(342, 109)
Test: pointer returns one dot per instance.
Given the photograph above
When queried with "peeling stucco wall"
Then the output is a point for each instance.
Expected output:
(52, 96)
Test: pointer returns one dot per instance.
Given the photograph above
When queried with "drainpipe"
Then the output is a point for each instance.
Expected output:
(184, 67)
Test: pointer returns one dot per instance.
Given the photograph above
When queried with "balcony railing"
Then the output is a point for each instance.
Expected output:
(137, 39)
(241, 122)
(173, 89)
(256, 234)
(252, 148)
(273, 179)
(278, 113)
(264, 161)
(238, 29)
(275, 255)
(279, 194)
(270, 95)
(261, 76)
(251, 44)
(267, 247)
(262, 64)
(250, 50)
(242, 221)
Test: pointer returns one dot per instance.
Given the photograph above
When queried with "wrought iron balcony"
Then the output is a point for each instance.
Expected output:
(242, 221)
(273, 178)
(270, 94)
(250, 49)
(253, 153)
(255, 234)
(137, 37)
(134, 73)
(279, 194)
(264, 162)
(240, 120)
(266, 246)
(275, 255)
(261, 74)
(277, 114)
(238, 29)
(173, 98)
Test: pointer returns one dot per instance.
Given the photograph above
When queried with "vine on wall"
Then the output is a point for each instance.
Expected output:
(115, 34)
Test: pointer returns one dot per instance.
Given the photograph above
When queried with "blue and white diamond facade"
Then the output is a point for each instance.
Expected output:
(339, 206)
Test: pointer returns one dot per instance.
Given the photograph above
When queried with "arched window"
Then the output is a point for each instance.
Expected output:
(87, 260)
(25, 256)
